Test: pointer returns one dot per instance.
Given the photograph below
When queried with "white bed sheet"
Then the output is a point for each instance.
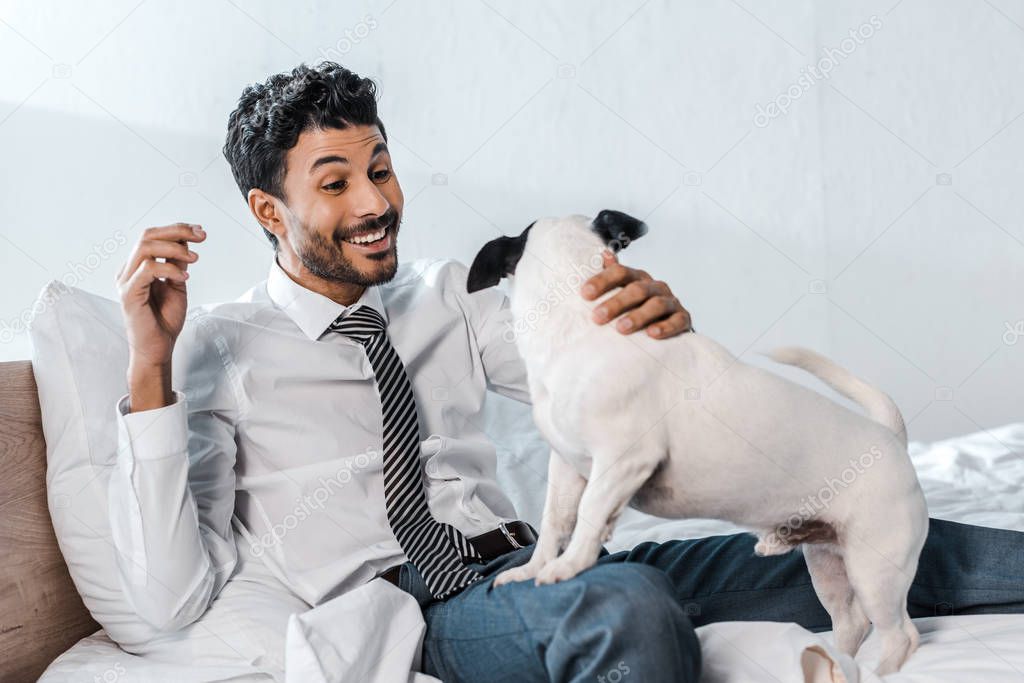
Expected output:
(977, 479)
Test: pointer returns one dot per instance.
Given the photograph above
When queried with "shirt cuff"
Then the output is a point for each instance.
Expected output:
(153, 434)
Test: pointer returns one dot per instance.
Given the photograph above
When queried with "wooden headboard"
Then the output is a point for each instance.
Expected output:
(41, 614)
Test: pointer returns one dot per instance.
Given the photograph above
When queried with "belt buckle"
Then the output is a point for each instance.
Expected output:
(516, 545)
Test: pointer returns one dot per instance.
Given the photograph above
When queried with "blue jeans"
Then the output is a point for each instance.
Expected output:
(632, 616)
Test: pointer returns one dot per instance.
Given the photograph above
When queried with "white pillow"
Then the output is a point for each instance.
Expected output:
(80, 359)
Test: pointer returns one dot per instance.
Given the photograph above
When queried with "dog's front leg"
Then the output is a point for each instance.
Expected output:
(565, 486)
(614, 479)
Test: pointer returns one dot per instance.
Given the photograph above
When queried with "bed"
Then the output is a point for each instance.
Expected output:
(976, 478)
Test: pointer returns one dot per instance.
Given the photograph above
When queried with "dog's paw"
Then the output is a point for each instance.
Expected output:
(557, 570)
(523, 573)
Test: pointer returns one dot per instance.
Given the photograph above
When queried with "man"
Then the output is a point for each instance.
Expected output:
(310, 414)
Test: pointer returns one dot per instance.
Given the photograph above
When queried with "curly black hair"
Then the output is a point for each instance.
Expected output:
(270, 116)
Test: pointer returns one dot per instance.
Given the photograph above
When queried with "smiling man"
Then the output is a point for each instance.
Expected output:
(323, 435)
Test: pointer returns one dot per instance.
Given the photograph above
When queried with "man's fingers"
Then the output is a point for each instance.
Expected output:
(642, 303)
(652, 310)
(168, 242)
(149, 271)
(180, 263)
(675, 324)
(166, 249)
(148, 250)
(176, 231)
(185, 257)
(628, 298)
(614, 275)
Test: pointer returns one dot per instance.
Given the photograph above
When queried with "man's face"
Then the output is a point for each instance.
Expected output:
(341, 190)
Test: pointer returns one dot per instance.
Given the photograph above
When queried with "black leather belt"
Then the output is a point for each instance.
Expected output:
(507, 537)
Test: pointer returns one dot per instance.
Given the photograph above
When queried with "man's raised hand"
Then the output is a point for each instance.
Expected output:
(153, 298)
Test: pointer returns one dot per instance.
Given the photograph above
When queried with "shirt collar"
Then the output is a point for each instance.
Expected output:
(310, 311)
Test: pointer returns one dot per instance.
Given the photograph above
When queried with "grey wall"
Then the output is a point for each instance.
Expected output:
(877, 219)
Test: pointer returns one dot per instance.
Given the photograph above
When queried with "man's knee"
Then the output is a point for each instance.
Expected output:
(635, 609)
(643, 596)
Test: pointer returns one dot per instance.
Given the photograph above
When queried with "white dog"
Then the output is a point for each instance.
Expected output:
(681, 428)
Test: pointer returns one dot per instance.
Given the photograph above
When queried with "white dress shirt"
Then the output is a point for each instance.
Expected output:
(277, 430)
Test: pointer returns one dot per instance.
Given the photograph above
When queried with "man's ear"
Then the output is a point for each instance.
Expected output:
(264, 208)
(618, 229)
(495, 260)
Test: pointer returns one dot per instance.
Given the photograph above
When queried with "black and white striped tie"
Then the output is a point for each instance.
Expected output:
(438, 550)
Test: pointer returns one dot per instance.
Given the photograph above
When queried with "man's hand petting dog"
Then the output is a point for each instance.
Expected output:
(647, 303)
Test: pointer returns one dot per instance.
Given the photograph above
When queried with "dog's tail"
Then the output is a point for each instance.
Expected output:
(878, 405)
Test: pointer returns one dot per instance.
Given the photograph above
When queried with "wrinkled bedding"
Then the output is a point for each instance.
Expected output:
(976, 479)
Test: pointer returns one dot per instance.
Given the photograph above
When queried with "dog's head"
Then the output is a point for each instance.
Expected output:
(550, 239)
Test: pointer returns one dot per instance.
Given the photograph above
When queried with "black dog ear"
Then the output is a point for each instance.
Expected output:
(495, 260)
(618, 229)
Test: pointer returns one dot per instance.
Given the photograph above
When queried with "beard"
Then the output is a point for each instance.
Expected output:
(327, 260)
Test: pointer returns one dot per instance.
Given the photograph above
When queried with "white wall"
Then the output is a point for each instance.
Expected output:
(879, 220)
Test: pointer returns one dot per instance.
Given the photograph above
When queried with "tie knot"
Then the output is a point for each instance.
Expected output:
(361, 324)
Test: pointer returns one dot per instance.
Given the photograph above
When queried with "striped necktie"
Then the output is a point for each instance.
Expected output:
(438, 550)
